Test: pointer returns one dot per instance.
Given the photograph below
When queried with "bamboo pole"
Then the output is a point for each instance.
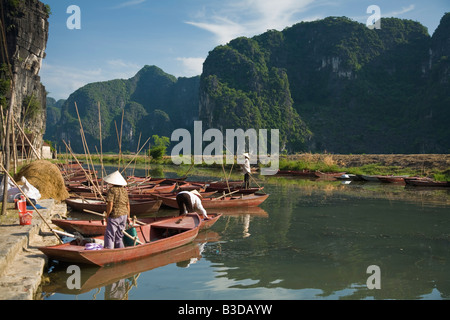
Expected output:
(86, 174)
(88, 154)
(135, 155)
(28, 199)
(100, 138)
(23, 134)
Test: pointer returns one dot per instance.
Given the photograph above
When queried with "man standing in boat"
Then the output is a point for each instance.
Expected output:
(117, 211)
(191, 201)
(246, 169)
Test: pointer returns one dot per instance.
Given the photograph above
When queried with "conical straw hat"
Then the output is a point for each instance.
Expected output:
(116, 179)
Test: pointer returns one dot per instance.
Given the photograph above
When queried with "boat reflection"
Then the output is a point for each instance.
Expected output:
(120, 278)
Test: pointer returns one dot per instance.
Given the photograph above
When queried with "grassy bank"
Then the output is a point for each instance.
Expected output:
(429, 165)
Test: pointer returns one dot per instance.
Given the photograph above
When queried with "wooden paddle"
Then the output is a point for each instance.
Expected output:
(29, 201)
(222, 196)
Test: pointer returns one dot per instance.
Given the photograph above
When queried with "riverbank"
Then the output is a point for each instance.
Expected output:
(436, 166)
(21, 263)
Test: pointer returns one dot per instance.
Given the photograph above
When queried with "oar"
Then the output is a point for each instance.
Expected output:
(225, 195)
(29, 201)
(103, 215)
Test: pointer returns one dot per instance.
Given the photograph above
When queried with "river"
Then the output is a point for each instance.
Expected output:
(309, 240)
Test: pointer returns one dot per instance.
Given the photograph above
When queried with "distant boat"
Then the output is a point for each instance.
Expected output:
(427, 183)
(300, 173)
(372, 178)
(328, 175)
(393, 179)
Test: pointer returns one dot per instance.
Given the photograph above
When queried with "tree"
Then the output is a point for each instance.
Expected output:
(160, 144)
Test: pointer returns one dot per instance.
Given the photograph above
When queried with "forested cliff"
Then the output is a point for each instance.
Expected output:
(329, 85)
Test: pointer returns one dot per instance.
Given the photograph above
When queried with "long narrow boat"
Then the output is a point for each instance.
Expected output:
(238, 189)
(300, 173)
(155, 237)
(97, 227)
(251, 200)
(98, 277)
(427, 183)
(136, 207)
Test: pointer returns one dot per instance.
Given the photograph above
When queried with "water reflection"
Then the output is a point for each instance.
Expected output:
(316, 240)
(308, 240)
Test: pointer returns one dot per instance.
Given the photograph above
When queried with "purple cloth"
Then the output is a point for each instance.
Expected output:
(114, 232)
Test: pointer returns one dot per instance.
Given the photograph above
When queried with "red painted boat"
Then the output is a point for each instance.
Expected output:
(328, 175)
(155, 238)
(251, 200)
(99, 277)
(238, 189)
(98, 227)
(392, 179)
(136, 207)
(156, 190)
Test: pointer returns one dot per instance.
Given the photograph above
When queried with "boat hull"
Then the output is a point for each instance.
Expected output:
(136, 207)
(98, 227)
(187, 231)
(227, 202)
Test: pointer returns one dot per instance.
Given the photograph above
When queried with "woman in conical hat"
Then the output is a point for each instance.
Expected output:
(117, 210)
(116, 179)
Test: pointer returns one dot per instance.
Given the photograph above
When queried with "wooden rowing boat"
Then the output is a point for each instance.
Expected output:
(299, 173)
(427, 183)
(238, 189)
(97, 227)
(99, 277)
(136, 207)
(251, 200)
(392, 179)
(155, 238)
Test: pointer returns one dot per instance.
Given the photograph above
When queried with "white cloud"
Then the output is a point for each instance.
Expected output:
(400, 12)
(250, 17)
(128, 4)
(63, 80)
(191, 66)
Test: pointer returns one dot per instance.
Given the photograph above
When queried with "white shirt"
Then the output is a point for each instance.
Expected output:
(196, 203)
(246, 166)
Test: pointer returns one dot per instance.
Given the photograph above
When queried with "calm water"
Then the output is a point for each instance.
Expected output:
(309, 240)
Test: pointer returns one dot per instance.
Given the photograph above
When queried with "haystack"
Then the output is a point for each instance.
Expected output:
(46, 177)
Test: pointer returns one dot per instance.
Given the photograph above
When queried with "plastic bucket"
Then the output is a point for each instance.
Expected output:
(25, 218)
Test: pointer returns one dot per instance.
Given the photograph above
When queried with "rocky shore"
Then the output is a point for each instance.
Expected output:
(21, 263)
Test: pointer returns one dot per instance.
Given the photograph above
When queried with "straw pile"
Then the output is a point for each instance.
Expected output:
(46, 177)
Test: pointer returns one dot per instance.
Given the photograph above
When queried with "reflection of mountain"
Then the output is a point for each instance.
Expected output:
(325, 243)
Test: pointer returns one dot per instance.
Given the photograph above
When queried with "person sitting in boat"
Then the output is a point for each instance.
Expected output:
(117, 211)
(190, 201)
(246, 169)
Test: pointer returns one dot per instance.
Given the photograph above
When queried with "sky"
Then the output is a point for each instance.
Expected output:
(102, 40)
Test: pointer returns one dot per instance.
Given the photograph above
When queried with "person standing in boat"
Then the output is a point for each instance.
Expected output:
(246, 169)
(191, 201)
(117, 211)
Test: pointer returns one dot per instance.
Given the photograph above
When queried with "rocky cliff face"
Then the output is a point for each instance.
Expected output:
(351, 89)
(26, 39)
